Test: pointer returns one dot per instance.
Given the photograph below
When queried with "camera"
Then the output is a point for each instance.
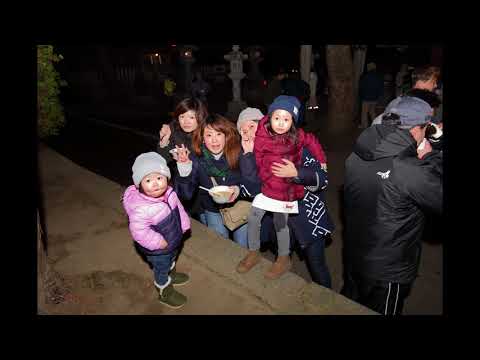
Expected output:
(433, 132)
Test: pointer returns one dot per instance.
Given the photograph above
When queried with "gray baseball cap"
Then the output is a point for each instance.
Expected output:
(412, 111)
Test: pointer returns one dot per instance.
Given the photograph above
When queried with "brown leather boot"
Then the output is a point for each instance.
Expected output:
(279, 267)
(249, 261)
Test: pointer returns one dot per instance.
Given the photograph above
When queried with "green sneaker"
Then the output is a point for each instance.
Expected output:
(179, 278)
(171, 297)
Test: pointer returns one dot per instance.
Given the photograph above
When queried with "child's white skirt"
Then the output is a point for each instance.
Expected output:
(264, 202)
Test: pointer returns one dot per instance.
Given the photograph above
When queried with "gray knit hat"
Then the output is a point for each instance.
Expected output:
(148, 163)
(248, 114)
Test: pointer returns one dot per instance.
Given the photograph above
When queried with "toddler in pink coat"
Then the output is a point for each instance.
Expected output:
(157, 222)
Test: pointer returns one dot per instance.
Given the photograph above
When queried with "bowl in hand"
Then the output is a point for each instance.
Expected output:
(221, 194)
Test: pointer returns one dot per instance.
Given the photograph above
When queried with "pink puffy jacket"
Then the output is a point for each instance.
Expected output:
(144, 211)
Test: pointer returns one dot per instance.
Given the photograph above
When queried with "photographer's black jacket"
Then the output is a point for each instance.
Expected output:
(387, 193)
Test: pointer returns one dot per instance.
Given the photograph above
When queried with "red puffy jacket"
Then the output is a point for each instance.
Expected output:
(270, 148)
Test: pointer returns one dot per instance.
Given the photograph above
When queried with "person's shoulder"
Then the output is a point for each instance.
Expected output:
(410, 168)
(130, 190)
(170, 193)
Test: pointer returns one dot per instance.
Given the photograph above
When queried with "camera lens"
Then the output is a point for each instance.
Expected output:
(433, 132)
(430, 131)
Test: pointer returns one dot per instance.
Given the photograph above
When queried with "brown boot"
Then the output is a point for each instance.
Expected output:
(279, 267)
(249, 261)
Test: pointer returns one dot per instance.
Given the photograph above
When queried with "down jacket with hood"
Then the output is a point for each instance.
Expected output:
(156, 224)
(269, 148)
(387, 193)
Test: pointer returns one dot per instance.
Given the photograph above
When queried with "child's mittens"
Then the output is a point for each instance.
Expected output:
(323, 166)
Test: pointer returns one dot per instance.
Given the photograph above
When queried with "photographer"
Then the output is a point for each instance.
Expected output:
(393, 179)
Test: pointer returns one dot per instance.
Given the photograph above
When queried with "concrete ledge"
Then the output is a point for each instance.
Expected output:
(89, 239)
(290, 294)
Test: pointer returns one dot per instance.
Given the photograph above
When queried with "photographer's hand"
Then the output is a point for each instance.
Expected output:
(424, 148)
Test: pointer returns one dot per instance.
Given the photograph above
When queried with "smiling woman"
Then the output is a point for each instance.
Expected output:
(216, 161)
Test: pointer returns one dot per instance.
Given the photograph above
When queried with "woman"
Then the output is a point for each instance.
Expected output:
(187, 115)
(215, 158)
(312, 226)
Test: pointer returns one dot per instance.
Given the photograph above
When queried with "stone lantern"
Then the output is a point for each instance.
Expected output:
(236, 58)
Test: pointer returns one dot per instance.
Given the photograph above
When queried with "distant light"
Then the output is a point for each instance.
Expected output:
(173, 45)
(156, 54)
(264, 82)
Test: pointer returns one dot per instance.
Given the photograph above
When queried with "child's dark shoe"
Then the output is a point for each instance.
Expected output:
(171, 297)
(179, 278)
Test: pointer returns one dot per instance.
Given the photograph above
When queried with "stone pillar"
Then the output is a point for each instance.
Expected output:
(236, 58)
(305, 62)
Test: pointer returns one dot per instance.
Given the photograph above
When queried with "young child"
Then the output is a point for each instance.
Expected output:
(157, 222)
(278, 152)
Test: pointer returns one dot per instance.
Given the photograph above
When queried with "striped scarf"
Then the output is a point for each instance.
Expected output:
(212, 169)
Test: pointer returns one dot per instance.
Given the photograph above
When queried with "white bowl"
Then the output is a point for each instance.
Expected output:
(221, 194)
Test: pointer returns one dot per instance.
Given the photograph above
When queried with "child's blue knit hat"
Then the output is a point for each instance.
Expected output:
(287, 103)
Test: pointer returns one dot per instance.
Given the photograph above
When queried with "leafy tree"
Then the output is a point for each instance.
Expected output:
(50, 116)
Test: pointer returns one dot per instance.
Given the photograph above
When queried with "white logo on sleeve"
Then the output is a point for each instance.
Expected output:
(384, 175)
